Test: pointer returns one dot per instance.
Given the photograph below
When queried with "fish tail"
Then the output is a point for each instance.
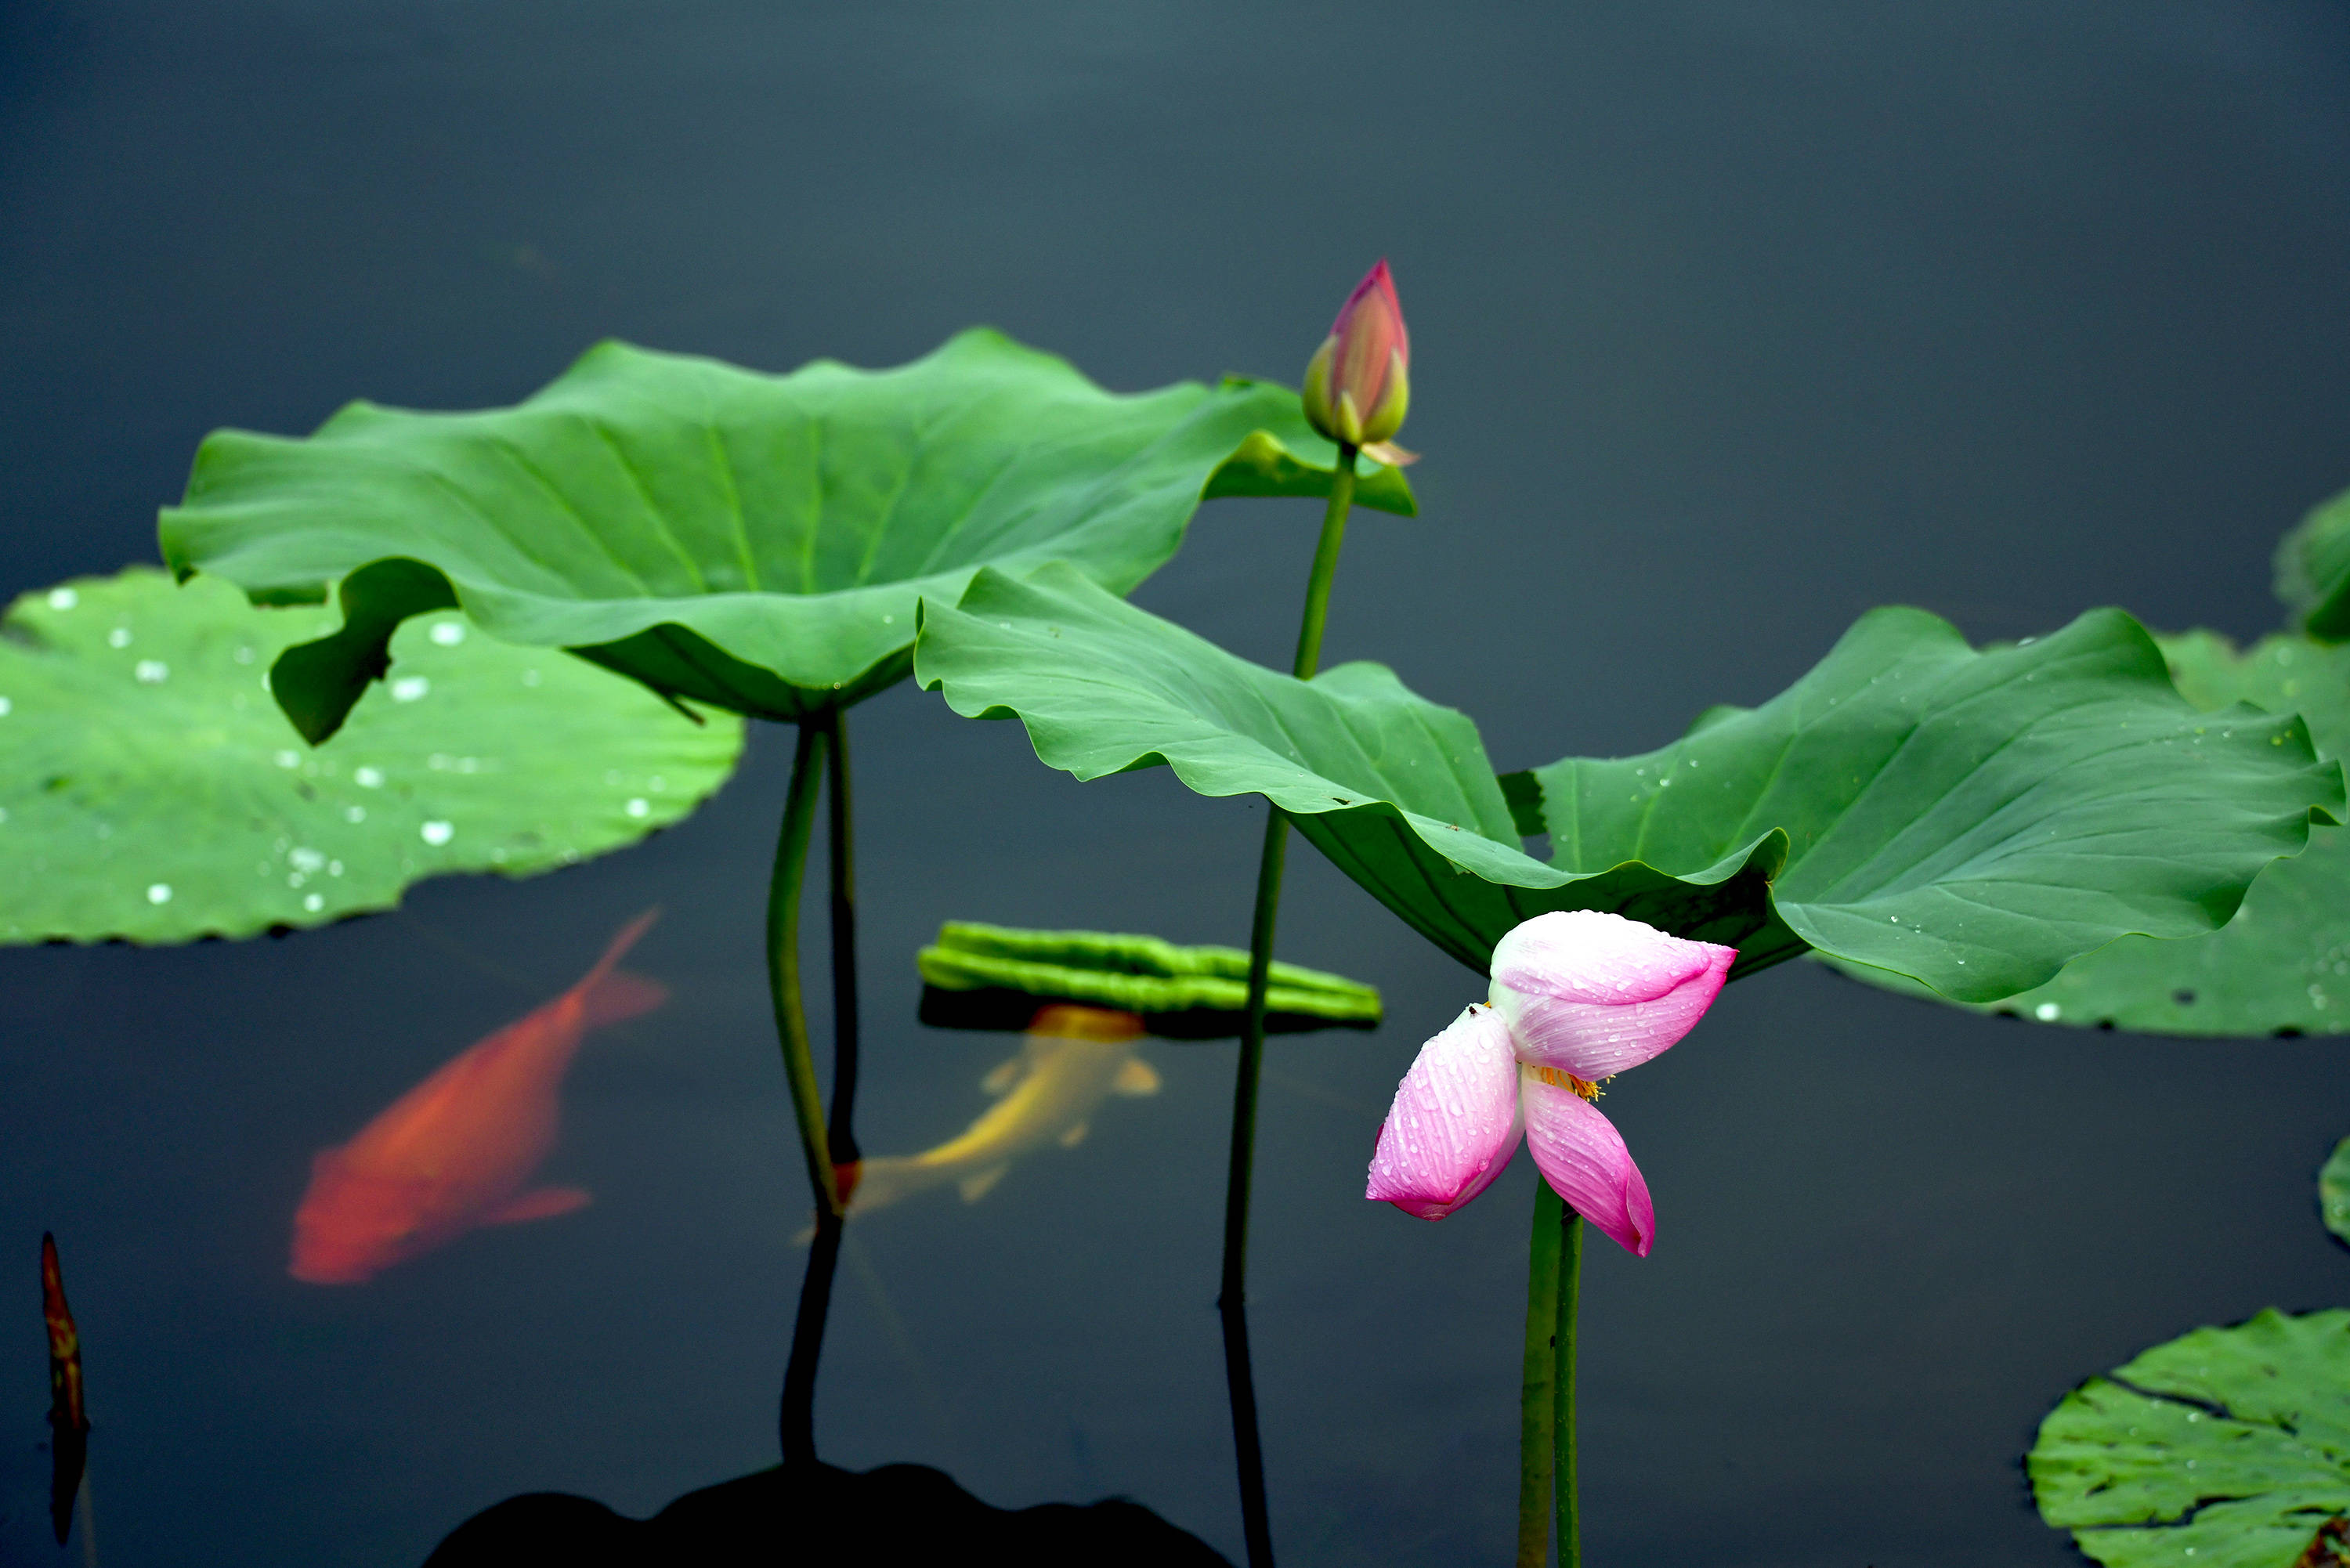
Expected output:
(610, 994)
(620, 945)
(618, 996)
(883, 1181)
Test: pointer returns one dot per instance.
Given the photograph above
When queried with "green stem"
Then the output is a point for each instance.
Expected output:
(797, 1422)
(1231, 1299)
(1537, 1399)
(1570, 1283)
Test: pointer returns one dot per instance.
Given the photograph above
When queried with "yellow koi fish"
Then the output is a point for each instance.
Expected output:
(1072, 1059)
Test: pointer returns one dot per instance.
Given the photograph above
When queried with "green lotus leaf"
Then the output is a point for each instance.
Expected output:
(2313, 570)
(995, 977)
(2279, 965)
(1973, 820)
(1263, 465)
(2228, 1446)
(151, 790)
(2334, 1190)
(758, 543)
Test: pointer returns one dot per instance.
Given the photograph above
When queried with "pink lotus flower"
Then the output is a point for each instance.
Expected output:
(1577, 996)
(1357, 388)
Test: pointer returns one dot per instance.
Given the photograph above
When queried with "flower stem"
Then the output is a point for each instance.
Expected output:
(1537, 1399)
(1570, 1282)
(797, 1422)
(1232, 1300)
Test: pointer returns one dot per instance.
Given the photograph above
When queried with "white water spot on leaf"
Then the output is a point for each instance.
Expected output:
(334, 868)
(152, 672)
(159, 892)
(306, 859)
(530, 678)
(2046, 1012)
(408, 688)
(5, 706)
(367, 778)
(313, 902)
(244, 655)
(63, 598)
(118, 638)
(437, 833)
(449, 633)
(639, 807)
(287, 759)
(354, 813)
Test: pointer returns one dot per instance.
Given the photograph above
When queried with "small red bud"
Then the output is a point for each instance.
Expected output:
(1356, 385)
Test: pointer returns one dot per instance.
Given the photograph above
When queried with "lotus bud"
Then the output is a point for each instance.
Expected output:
(1357, 388)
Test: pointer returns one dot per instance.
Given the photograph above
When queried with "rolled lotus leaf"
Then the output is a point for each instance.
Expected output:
(997, 977)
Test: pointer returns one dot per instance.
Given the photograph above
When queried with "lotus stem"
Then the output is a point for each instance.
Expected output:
(797, 1422)
(1570, 1284)
(1537, 1398)
(1231, 1299)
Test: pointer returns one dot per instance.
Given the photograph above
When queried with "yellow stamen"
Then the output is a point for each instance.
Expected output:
(1558, 1078)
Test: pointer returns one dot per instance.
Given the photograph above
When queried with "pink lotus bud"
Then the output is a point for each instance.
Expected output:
(1454, 1124)
(1594, 994)
(1356, 386)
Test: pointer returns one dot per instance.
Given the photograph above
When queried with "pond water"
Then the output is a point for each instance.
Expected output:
(1732, 321)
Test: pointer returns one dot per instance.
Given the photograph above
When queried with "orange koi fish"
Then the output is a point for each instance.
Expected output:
(454, 1153)
(68, 1423)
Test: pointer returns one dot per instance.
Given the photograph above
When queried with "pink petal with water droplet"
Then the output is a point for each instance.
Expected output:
(1454, 1124)
(1594, 994)
(1582, 1157)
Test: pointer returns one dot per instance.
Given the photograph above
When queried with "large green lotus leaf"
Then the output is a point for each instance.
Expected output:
(755, 542)
(1973, 819)
(1969, 820)
(2313, 570)
(2279, 965)
(151, 790)
(2228, 1446)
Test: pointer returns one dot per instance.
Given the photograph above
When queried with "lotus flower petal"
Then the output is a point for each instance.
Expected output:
(1595, 993)
(1454, 1124)
(1582, 1157)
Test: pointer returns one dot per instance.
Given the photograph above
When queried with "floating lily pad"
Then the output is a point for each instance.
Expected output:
(2313, 570)
(755, 542)
(2281, 965)
(2228, 1447)
(995, 977)
(151, 790)
(1972, 820)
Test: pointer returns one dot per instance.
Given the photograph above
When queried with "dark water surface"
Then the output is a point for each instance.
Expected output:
(1732, 319)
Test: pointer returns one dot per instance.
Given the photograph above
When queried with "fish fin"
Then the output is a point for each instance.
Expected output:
(617, 997)
(543, 1203)
(1136, 1076)
(1072, 1137)
(1006, 1074)
(974, 1188)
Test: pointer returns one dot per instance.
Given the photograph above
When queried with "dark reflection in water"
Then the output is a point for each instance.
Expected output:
(1732, 318)
(897, 1514)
